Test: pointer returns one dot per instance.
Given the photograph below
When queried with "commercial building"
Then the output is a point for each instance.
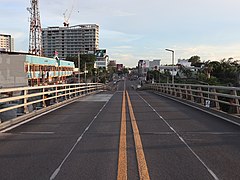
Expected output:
(119, 67)
(154, 64)
(6, 43)
(143, 67)
(69, 41)
(112, 63)
(22, 69)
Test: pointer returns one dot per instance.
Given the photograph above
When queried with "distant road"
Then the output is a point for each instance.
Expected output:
(93, 138)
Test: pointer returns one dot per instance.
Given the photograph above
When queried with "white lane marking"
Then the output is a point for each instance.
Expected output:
(79, 139)
(37, 132)
(218, 116)
(157, 133)
(56, 172)
(208, 169)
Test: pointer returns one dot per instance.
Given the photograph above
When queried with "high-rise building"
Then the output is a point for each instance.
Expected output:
(6, 43)
(69, 41)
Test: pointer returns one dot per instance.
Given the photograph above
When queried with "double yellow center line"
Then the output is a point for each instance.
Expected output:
(122, 159)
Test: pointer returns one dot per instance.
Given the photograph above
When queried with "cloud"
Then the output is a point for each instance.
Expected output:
(133, 30)
(123, 13)
(118, 37)
(205, 51)
(122, 47)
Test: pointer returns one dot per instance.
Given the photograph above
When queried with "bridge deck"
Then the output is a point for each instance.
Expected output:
(81, 141)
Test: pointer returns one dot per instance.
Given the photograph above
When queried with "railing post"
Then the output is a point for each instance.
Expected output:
(235, 101)
(161, 88)
(167, 89)
(215, 97)
(174, 90)
(184, 92)
(65, 92)
(56, 94)
(181, 91)
(25, 102)
(171, 89)
(87, 88)
(43, 98)
(190, 93)
(70, 91)
(201, 95)
(75, 90)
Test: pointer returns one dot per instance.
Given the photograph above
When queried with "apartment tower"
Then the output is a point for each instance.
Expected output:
(69, 41)
(6, 43)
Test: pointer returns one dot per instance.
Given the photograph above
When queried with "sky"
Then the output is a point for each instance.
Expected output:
(131, 30)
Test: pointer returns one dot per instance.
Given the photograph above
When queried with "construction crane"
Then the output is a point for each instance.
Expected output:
(67, 17)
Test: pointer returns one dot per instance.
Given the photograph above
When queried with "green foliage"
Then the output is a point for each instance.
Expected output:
(125, 71)
(224, 72)
(158, 76)
(187, 73)
(89, 59)
(194, 60)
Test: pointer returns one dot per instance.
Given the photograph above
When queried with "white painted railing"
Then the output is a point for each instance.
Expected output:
(25, 100)
(216, 97)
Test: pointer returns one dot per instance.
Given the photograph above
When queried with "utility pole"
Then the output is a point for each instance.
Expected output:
(35, 34)
(85, 73)
(172, 63)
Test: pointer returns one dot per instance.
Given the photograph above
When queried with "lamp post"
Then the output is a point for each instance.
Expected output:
(172, 63)
(85, 73)
(79, 80)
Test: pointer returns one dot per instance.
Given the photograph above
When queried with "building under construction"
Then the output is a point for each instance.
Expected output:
(69, 41)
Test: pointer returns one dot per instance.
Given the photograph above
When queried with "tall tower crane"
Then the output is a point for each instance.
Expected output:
(67, 17)
(35, 34)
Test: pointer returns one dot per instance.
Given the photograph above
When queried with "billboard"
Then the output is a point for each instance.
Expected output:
(101, 53)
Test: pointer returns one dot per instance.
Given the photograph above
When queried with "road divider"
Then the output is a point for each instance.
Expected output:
(122, 158)
(142, 165)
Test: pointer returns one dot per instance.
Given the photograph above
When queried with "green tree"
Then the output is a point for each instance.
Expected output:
(195, 60)
(89, 59)
(225, 71)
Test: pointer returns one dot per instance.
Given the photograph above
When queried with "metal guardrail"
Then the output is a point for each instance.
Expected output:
(220, 98)
(25, 100)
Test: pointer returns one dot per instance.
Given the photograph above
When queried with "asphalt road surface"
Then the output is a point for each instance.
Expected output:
(122, 134)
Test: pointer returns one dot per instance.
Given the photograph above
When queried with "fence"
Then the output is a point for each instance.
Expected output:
(220, 98)
(15, 102)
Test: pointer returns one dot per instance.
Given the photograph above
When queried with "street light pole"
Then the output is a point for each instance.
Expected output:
(79, 67)
(172, 63)
(85, 73)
